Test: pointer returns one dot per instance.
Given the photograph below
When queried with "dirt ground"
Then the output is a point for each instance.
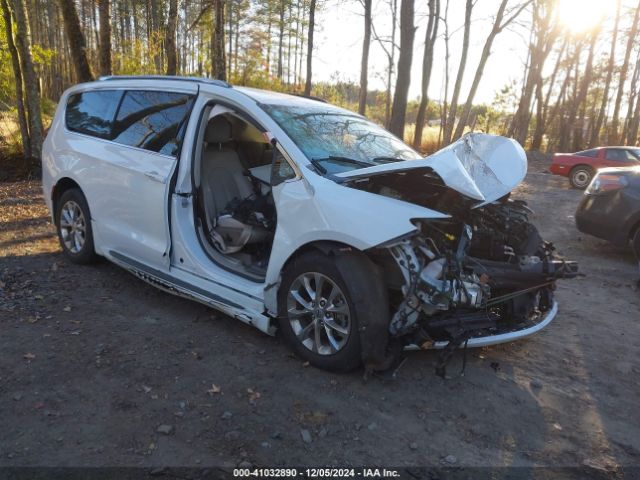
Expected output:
(94, 361)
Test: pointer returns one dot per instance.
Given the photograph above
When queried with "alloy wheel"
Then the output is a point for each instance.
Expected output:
(73, 227)
(319, 313)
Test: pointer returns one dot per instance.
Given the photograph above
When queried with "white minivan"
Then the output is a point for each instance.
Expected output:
(291, 214)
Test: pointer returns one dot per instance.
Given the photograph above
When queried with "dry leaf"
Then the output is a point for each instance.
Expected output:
(253, 395)
(214, 389)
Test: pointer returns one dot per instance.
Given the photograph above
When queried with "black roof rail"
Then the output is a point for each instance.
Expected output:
(210, 81)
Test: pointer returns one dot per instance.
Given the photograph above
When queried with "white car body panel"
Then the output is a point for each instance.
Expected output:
(137, 226)
(482, 167)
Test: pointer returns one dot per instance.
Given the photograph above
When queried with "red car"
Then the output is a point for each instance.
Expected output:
(580, 167)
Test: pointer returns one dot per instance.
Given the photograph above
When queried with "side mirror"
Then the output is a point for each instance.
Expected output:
(280, 168)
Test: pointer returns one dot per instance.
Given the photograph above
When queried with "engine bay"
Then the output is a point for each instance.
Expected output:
(484, 271)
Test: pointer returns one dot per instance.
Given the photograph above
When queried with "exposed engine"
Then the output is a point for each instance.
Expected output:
(486, 273)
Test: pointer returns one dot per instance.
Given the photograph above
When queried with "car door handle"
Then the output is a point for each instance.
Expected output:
(155, 176)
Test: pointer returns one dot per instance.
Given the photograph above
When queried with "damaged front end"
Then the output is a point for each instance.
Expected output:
(484, 272)
(485, 276)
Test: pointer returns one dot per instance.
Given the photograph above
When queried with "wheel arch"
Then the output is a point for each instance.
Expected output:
(582, 165)
(63, 185)
(360, 268)
(635, 228)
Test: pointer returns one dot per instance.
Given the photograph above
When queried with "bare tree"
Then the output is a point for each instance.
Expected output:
(498, 26)
(105, 37)
(631, 41)
(445, 96)
(595, 132)
(17, 75)
(451, 118)
(280, 39)
(544, 35)
(427, 64)
(570, 129)
(633, 109)
(218, 62)
(542, 101)
(364, 63)
(170, 39)
(312, 14)
(390, 52)
(32, 93)
(407, 35)
(76, 40)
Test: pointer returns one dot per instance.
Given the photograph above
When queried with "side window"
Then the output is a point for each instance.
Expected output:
(152, 120)
(92, 113)
(616, 154)
(588, 153)
(281, 170)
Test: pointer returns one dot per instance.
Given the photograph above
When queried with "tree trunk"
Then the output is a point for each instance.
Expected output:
(76, 40)
(578, 127)
(633, 93)
(269, 39)
(444, 105)
(595, 133)
(236, 34)
(312, 15)
(17, 75)
(392, 60)
(545, 37)
(453, 107)
(105, 37)
(170, 39)
(407, 35)
(218, 62)
(230, 50)
(289, 45)
(543, 110)
(427, 65)
(364, 63)
(614, 138)
(32, 93)
(280, 39)
(498, 26)
(634, 124)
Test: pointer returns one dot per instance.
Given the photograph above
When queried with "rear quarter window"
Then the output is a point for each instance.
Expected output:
(152, 120)
(92, 113)
(588, 153)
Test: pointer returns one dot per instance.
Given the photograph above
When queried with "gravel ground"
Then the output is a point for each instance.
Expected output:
(101, 369)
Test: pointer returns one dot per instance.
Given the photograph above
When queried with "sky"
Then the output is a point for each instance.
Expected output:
(340, 32)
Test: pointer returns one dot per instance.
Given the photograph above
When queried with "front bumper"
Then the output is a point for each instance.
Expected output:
(496, 339)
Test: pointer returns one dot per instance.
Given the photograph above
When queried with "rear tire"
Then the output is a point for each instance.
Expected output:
(73, 223)
(580, 177)
(323, 301)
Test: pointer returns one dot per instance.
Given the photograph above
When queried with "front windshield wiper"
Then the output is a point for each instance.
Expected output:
(317, 162)
(387, 159)
(321, 169)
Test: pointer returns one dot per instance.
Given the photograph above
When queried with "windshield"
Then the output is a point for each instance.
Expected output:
(338, 141)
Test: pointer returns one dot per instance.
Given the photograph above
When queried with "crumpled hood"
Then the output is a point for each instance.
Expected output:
(480, 166)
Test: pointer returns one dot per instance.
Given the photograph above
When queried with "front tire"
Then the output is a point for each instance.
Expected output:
(324, 301)
(73, 222)
(580, 177)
